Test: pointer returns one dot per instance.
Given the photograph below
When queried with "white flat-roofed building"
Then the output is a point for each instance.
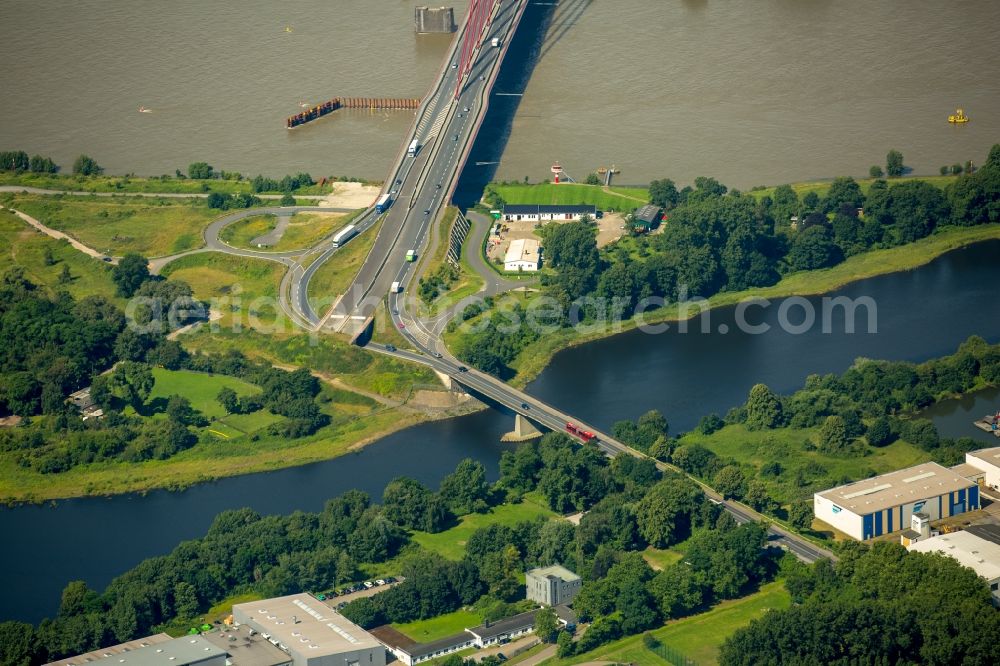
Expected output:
(970, 550)
(988, 462)
(522, 255)
(310, 632)
(886, 503)
(552, 585)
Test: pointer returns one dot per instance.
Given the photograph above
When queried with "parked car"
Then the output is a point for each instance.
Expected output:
(390, 347)
(369, 585)
(380, 582)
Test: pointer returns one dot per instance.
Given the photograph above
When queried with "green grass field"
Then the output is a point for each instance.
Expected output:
(755, 448)
(199, 388)
(661, 559)
(618, 198)
(151, 227)
(307, 229)
(451, 542)
(333, 277)
(23, 246)
(241, 232)
(698, 637)
(245, 289)
(424, 631)
(326, 354)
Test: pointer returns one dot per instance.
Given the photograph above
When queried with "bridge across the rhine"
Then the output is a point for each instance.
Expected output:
(445, 128)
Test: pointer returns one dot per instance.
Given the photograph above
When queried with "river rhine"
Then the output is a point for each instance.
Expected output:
(921, 314)
(750, 92)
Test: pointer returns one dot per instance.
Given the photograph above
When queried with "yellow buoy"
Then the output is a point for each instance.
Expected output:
(958, 117)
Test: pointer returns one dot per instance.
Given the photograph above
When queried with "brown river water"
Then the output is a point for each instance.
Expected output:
(750, 92)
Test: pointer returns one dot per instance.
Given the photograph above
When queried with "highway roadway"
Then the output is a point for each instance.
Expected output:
(548, 417)
(422, 185)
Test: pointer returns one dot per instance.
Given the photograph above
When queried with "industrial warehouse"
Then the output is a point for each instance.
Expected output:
(886, 503)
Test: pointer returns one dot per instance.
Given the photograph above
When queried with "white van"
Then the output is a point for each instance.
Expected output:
(396, 288)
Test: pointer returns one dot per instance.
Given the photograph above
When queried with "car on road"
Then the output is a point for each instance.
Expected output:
(466, 109)
(437, 355)
(525, 405)
(454, 138)
(402, 325)
(462, 368)
(399, 182)
(107, 259)
(395, 311)
(454, 65)
(438, 186)
(427, 211)
(390, 347)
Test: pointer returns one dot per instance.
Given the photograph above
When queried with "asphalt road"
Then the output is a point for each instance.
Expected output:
(421, 185)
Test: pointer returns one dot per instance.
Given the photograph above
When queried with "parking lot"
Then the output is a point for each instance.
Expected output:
(338, 601)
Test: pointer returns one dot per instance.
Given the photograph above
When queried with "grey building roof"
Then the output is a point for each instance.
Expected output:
(556, 571)
(175, 652)
(538, 209)
(112, 650)
(986, 532)
(565, 613)
(447, 643)
(247, 650)
(649, 214)
(507, 626)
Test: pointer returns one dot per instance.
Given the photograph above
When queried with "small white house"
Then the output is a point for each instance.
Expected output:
(547, 213)
(522, 255)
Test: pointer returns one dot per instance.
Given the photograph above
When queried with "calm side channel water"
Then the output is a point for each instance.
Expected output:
(921, 314)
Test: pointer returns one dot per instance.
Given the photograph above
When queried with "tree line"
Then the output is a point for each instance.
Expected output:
(877, 605)
(721, 240)
(630, 505)
(869, 406)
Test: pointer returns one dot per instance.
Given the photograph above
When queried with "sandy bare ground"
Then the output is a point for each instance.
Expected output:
(58, 235)
(609, 229)
(351, 195)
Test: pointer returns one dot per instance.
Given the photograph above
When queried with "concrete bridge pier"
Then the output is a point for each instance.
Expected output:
(524, 430)
(448, 382)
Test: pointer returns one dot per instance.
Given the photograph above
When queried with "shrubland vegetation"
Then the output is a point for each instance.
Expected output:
(115, 225)
(17, 168)
(718, 241)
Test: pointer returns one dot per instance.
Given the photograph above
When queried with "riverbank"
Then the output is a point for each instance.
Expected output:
(534, 358)
(207, 464)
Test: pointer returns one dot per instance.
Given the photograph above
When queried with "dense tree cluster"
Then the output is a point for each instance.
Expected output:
(85, 165)
(51, 346)
(872, 400)
(720, 240)
(877, 605)
(220, 201)
(287, 184)
(19, 162)
(242, 550)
